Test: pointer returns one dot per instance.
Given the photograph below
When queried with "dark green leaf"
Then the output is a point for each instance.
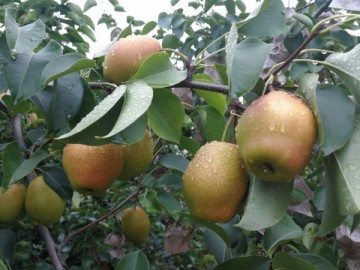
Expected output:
(266, 204)
(247, 262)
(171, 42)
(65, 64)
(174, 2)
(133, 261)
(89, 4)
(166, 115)
(356, 222)
(319, 197)
(209, 4)
(316, 260)
(247, 64)
(11, 160)
(169, 202)
(170, 180)
(174, 162)
(164, 20)
(284, 231)
(158, 71)
(133, 133)
(337, 113)
(284, 261)
(56, 178)
(7, 245)
(212, 123)
(148, 27)
(189, 144)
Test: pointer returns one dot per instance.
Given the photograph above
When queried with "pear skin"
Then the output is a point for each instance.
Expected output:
(12, 203)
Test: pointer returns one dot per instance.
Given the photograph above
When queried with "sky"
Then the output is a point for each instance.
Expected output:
(145, 10)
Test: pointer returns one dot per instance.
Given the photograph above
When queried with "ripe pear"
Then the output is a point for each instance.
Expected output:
(137, 158)
(135, 224)
(42, 204)
(215, 182)
(12, 203)
(126, 56)
(275, 135)
(92, 169)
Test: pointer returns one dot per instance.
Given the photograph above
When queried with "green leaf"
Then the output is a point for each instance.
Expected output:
(88, 32)
(66, 101)
(158, 71)
(23, 76)
(133, 261)
(247, 65)
(345, 65)
(164, 20)
(170, 180)
(11, 160)
(284, 231)
(267, 20)
(331, 217)
(100, 121)
(65, 64)
(266, 204)
(138, 97)
(28, 165)
(22, 39)
(148, 27)
(174, 162)
(189, 144)
(7, 245)
(247, 262)
(171, 41)
(216, 100)
(133, 133)
(230, 48)
(2, 265)
(356, 223)
(337, 114)
(212, 122)
(166, 115)
(286, 261)
(56, 178)
(209, 4)
(169, 202)
(89, 4)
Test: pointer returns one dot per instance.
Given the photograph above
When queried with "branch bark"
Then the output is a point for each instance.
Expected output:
(51, 247)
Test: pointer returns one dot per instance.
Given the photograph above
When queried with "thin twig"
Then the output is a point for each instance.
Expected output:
(70, 235)
(322, 9)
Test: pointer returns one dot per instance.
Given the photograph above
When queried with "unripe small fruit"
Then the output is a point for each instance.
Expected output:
(215, 182)
(42, 204)
(275, 135)
(135, 224)
(137, 158)
(126, 56)
(92, 169)
(12, 203)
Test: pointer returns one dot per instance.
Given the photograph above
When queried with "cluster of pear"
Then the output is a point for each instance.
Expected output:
(275, 136)
(42, 205)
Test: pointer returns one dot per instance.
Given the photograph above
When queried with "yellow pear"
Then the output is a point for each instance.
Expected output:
(215, 182)
(275, 135)
(137, 157)
(135, 224)
(42, 204)
(12, 203)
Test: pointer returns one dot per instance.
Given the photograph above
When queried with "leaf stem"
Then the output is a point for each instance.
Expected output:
(228, 124)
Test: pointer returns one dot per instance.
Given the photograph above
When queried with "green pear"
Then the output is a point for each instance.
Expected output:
(215, 182)
(276, 134)
(12, 203)
(135, 224)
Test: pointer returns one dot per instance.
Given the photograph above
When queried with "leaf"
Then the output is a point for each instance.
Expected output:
(284, 231)
(230, 49)
(166, 115)
(285, 261)
(174, 162)
(23, 76)
(212, 122)
(170, 180)
(216, 100)
(345, 65)
(97, 114)
(267, 20)
(65, 64)
(331, 217)
(7, 245)
(266, 205)
(148, 27)
(11, 160)
(22, 39)
(66, 101)
(28, 165)
(89, 4)
(337, 113)
(158, 71)
(189, 144)
(247, 65)
(133, 261)
(209, 4)
(133, 133)
(247, 262)
(56, 178)
(169, 202)
(138, 97)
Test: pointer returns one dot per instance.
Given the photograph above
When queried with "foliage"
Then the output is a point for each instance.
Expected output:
(44, 69)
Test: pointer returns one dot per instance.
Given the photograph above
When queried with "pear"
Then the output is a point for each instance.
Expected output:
(42, 204)
(135, 224)
(276, 134)
(137, 158)
(12, 203)
(126, 56)
(215, 182)
(92, 169)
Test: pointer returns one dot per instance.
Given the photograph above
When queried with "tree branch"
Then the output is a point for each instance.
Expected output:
(70, 235)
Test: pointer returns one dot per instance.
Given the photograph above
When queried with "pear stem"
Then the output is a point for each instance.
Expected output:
(228, 123)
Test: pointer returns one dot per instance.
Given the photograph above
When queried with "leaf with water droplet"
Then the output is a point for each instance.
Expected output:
(138, 97)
